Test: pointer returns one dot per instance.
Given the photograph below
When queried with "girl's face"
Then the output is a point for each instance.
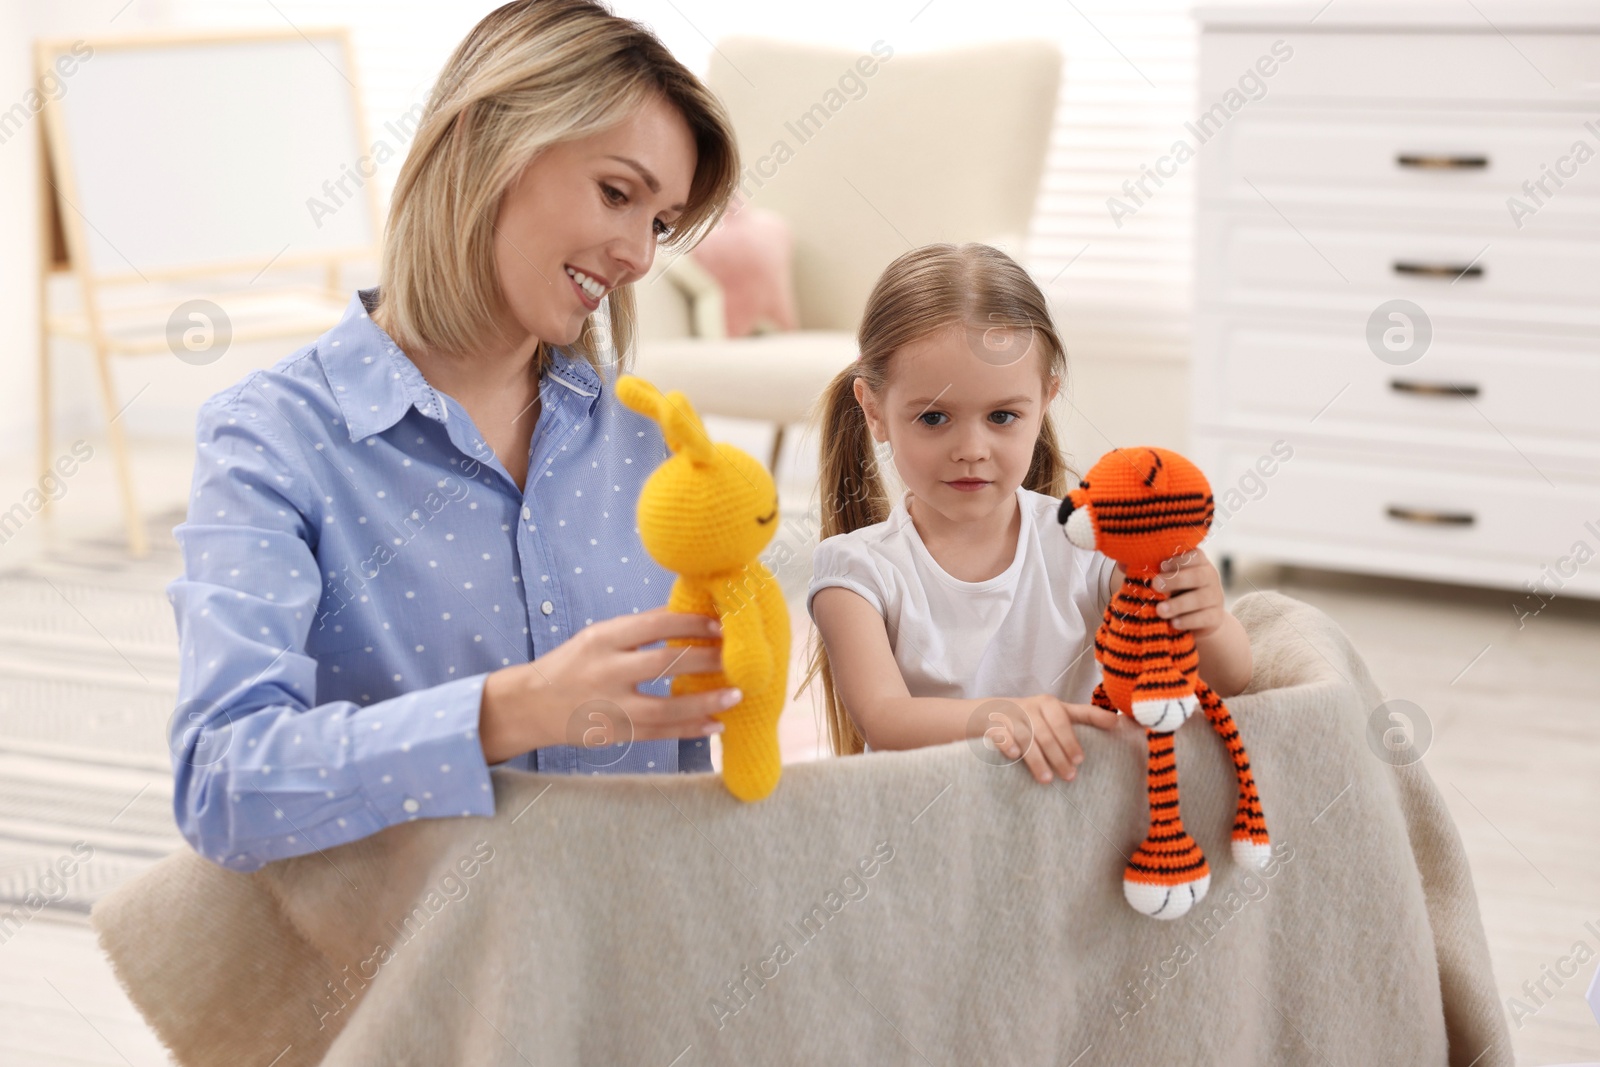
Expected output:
(962, 425)
(596, 206)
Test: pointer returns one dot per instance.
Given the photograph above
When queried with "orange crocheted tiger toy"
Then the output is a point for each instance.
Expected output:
(1142, 507)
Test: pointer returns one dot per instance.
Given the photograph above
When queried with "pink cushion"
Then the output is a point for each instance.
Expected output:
(748, 254)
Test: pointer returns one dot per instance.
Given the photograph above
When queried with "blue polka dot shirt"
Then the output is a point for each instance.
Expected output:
(357, 561)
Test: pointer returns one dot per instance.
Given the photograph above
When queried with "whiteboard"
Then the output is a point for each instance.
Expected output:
(177, 155)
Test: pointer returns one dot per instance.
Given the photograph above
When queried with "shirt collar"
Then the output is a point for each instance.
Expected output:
(577, 374)
(375, 384)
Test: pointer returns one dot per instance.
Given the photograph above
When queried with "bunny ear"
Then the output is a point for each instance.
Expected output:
(680, 425)
(641, 396)
(683, 428)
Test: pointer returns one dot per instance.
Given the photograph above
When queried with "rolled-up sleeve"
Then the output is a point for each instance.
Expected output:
(1100, 570)
(843, 561)
(262, 771)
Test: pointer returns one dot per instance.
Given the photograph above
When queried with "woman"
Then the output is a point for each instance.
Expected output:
(410, 552)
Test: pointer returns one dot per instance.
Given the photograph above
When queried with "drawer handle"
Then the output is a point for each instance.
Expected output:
(1442, 162)
(1438, 518)
(1438, 270)
(1401, 385)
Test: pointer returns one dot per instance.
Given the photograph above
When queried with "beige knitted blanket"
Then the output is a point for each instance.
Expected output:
(919, 907)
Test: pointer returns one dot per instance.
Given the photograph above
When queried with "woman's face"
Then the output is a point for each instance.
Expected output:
(594, 206)
(961, 426)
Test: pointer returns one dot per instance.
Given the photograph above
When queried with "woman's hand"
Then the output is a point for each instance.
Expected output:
(1050, 747)
(584, 691)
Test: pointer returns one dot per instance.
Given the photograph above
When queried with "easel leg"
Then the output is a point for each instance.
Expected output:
(45, 412)
(138, 544)
(47, 216)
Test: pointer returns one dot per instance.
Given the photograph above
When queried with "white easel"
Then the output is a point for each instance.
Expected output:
(185, 159)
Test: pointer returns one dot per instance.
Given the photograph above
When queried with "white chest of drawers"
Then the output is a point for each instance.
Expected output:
(1397, 290)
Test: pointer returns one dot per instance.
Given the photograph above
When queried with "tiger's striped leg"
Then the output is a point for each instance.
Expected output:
(1251, 845)
(1168, 873)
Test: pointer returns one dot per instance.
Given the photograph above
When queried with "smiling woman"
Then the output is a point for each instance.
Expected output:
(578, 110)
(561, 147)
(596, 214)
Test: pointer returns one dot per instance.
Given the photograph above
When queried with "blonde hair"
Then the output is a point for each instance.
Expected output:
(925, 290)
(530, 75)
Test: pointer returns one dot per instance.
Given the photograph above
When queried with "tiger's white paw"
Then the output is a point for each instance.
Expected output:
(1251, 856)
(1163, 901)
(1165, 716)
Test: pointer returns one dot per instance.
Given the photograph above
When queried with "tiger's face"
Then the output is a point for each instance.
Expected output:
(1140, 507)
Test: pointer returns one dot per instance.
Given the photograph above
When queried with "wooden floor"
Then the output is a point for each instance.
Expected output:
(1514, 712)
(1514, 707)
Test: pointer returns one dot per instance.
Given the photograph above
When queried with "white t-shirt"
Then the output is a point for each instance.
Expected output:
(1029, 629)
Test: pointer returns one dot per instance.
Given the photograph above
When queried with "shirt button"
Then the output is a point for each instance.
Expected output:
(410, 804)
(547, 607)
(527, 513)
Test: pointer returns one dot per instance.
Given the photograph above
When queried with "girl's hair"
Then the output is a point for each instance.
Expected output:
(530, 75)
(926, 290)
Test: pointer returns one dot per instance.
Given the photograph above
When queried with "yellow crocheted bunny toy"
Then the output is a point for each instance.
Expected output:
(705, 514)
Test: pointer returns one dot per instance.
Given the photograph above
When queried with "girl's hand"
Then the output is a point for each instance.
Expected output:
(1194, 589)
(1051, 748)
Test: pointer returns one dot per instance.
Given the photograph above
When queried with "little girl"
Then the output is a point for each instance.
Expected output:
(962, 609)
